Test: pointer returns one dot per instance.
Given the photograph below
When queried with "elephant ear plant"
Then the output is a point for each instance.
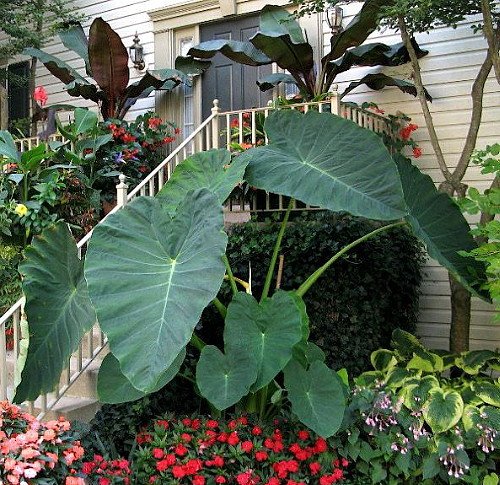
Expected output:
(152, 267)
(106, 63)
(280, 39)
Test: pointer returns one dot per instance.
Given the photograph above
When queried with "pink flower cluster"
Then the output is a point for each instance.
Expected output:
(32, 451)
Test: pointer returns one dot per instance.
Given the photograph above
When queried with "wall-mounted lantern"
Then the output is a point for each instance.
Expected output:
(136, 52)
(334, 17)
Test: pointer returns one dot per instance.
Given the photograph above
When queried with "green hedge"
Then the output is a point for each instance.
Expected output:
(360, 300)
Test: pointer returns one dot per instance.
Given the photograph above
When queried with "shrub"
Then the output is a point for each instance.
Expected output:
(205, 451)
(409, 421)
(34, 453)
(362, 298)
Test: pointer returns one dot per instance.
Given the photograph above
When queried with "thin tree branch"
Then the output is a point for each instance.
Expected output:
(417, 78)
(491, 35)
(477, 93)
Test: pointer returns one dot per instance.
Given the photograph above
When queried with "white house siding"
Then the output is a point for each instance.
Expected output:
(448, 72)
(455, 56)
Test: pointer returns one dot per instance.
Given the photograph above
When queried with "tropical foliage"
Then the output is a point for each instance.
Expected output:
(171, 264)
(106, 63)
(280, 39)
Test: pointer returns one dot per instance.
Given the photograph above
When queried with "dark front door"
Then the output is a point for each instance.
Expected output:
(234, 85)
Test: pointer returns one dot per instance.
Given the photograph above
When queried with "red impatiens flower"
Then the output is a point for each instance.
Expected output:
(417, 152)
(40, 95)
(247, 446)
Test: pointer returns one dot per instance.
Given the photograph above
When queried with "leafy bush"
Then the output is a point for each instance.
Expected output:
(409, 421)
(199, 451)
(362, 298)
(35, 453)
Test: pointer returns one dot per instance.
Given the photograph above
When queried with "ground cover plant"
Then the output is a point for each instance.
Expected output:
(172, 262)
(408, 420)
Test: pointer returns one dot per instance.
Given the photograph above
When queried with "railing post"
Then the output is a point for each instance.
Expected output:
(335, 100)
(215, 124)
(121, 191)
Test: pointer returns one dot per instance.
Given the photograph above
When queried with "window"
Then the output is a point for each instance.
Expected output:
(188, 94)
(18, 96)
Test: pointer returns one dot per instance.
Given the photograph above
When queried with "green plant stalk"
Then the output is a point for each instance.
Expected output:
(304, 287)
(229, 272)
(220, 307)
(277, 246)
(196, 342)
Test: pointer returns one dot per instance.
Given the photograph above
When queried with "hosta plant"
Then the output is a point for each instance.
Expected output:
(409, 420)
(281, 40)
(152, 267)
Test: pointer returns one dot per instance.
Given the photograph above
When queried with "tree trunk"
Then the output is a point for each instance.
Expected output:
(460, 316)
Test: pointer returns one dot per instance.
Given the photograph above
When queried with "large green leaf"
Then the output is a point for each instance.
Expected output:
(380, 80)
(8, 148)
(190, 66)
(212, 170)
(357, 31)
(150, 276)
(415, 394)
(472, 362)
(109, 61)
(240, 52)
(376, 54)
(224, 379)
(443, 409)
(405, 343)
(272, 80)
(324, 160)
(437, 221)
(75, 39)
(58, 309)
(267, 332)
(62, 71)
(488, 392)
(316, 395)
(114, 388)
(280, 38)
(85, 120)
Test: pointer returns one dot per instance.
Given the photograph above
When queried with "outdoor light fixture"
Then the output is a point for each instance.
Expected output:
(334, 16)
(137, 53)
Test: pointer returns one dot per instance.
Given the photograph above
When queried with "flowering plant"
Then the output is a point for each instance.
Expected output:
(409, 421)
(106, 472)
(203, 451)
(32, 452)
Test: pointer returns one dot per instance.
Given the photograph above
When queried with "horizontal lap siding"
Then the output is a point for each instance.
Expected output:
(448, 72)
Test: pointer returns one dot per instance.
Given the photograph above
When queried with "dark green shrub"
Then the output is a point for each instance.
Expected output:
(362, 297)
(10, 287)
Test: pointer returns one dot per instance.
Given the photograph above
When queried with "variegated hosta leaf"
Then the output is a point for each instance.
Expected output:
(383, 360)
(443, 409)
(414, 395)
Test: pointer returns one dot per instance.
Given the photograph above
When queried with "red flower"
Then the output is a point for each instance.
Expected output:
(233, 439)
(220, 479)
(153, 123)
(162, 465)
(211, 423)
(198, 480)
(40, 95)
(320, 446)
(247, 446)
(417, 152)
(261, 455)
(303, 435)
(344, 462)
(315, 467)
(158, 453)
(180, 450)
(128, 138)
(256, 431)
(178, 471)
(186, 437)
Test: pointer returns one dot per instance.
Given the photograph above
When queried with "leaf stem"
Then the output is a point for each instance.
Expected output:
(220, 307)
(304, 287)
(229, 272)
(196, 342)
(277, 246)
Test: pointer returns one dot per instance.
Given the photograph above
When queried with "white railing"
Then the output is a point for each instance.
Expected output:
(219, 129)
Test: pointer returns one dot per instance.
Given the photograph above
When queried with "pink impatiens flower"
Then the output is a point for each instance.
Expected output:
(40, 95)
